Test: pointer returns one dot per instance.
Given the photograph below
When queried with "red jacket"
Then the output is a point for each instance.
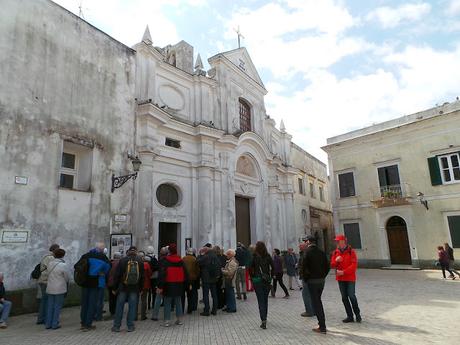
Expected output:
(147, 275)
(348, 265)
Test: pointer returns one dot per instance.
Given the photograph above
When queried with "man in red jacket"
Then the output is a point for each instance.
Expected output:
(345, 263)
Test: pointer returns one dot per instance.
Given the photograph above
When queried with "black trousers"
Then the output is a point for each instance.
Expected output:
(112, 301)
(279, 279)
(316, 290)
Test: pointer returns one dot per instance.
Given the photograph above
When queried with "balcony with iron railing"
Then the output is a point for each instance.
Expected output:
(394, 195)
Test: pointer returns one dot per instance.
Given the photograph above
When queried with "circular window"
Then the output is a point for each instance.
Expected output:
(167, 195)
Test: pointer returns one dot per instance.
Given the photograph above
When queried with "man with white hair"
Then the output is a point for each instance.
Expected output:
(5, 306)
(229, 274)
(193, 282)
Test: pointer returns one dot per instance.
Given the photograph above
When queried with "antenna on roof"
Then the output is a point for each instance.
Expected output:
(238, 32)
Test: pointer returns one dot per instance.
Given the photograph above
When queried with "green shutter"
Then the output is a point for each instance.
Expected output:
(435, 173)
(454, 227)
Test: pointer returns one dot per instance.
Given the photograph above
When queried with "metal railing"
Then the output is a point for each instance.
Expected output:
(391, 192)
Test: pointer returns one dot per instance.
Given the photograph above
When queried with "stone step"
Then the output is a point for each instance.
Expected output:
(401, 268)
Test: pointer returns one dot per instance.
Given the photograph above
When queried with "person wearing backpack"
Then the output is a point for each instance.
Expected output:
(129, 282)
(42, 280)
(171, 284)
(90, 272)
(210, 270)
(56, 289)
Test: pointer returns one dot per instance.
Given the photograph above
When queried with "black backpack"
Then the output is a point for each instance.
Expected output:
(37, 272)
(80, 274)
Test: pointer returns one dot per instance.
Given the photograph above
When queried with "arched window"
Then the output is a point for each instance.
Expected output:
(245, 116)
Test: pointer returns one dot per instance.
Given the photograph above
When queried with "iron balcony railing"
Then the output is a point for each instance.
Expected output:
(391, 192)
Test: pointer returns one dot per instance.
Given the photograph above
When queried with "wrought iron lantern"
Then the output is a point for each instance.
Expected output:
(118, 181)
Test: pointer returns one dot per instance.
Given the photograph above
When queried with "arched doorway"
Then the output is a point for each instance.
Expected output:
(398, 241)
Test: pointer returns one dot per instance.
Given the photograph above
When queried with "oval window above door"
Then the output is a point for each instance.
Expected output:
(167, 195)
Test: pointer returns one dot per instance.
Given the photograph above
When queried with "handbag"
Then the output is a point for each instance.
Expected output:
(266, 278)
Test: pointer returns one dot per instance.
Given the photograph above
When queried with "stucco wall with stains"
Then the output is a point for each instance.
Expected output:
(61, 80)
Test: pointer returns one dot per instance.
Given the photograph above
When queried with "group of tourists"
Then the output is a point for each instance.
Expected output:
(446, 261)
(146, 282)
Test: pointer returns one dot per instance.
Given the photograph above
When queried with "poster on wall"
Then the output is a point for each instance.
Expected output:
(120, 243)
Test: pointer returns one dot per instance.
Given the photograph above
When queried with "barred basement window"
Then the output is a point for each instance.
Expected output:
(172, 143)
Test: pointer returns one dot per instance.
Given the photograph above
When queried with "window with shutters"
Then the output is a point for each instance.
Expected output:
(351, 232)
(454, 229)
(245, 116)
(346, 185)
(449, 166)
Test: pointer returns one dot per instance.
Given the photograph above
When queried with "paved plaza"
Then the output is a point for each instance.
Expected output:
(398, 307)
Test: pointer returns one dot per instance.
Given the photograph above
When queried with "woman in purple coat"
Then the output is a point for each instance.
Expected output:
(278, 278)
(443, 258)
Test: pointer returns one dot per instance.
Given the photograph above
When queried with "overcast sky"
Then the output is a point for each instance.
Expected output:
(330, 66)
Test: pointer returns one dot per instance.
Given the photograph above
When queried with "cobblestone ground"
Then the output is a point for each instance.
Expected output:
(398, 307)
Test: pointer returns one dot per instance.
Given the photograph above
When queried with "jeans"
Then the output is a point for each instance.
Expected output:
(230, 299)
(316, 289)
(132, 299)
(156, 306)
(192, 296)
(307, 299)
(262, 292)
(240, 281)
(279, 279)
(88, 306)
(167, 307)
(55, 303)
(213, 288)
(5, 309)
(42, 309)
(99, 304)
(347, 290)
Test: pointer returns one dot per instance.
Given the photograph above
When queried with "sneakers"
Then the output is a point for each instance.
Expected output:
(3, 325)
(348, 320)
(320, 330)
(179, 322)
(166, 324)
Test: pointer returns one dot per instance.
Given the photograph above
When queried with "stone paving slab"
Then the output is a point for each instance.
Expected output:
(398, 307)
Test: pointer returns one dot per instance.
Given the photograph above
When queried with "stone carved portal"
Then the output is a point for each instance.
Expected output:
(245, 166)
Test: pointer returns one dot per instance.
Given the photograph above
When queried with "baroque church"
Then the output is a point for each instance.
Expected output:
(214, 164)
(81, 106)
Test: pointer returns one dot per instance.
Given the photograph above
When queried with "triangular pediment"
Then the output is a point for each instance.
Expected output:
(241, 59)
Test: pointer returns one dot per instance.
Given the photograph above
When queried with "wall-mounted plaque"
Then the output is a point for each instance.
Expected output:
(21, 180)
(120, 218)
(15, 236)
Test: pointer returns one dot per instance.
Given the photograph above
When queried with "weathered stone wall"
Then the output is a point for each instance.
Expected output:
(61, 79)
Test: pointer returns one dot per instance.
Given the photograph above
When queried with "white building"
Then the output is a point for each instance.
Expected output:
(79, 104)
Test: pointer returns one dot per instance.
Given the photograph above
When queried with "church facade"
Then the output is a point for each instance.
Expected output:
(214, 166)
